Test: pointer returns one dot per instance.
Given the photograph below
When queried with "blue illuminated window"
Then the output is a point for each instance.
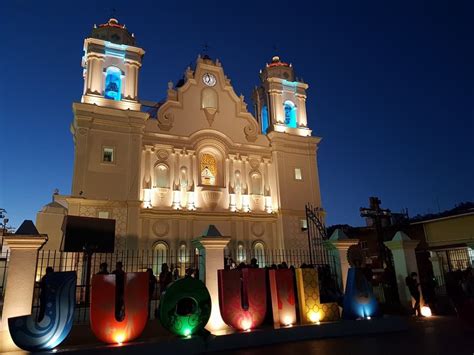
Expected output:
(113, 83)
(290, 114)
(264, 119)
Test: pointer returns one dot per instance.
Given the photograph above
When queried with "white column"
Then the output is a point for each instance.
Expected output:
(404, 259)
(212, 250)
(21, 275)
(96, 78)
(301, 111)
(340, 244)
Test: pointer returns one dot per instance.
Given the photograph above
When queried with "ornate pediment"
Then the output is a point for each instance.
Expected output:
(205, 99)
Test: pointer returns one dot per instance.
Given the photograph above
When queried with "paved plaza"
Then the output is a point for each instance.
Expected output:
(433, 336)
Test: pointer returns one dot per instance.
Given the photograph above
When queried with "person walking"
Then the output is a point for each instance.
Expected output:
(413, 286)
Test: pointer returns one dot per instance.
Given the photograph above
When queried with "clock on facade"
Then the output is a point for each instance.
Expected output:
(209, 79)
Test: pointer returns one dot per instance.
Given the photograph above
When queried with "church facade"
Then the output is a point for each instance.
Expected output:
(165, 171)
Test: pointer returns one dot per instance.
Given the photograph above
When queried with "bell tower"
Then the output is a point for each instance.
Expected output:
(111, 64)
(280, 100)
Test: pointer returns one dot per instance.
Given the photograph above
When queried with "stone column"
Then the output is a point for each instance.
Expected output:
(212, 250)
(301, 113)
(339, 244)
(21, 275)
(404, 259)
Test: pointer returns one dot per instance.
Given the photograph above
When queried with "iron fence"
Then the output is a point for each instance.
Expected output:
(330, 282)
(179, 262)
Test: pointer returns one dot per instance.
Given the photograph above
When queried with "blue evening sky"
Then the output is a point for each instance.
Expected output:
(391, 88)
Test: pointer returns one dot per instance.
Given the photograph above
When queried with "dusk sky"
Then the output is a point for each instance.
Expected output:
(391, 89)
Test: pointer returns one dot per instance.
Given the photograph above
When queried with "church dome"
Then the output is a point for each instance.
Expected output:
(114, 32)
(276, 62)
(278, 69)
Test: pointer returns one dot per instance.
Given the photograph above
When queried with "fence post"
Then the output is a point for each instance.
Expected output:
(212, 250)
(339, 243)
(404, 259)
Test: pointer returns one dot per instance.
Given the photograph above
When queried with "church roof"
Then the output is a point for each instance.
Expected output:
(211, 231)
(114, 32)
(27, 228)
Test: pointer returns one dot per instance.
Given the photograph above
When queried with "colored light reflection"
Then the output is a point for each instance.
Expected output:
(246, 324)
(314, 317)
(288, 320)
(119, 337)
(426, 311)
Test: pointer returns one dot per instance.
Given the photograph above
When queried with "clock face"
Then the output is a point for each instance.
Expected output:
(209, 79)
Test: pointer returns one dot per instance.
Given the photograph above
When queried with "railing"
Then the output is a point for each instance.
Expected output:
(4, 258)
(179, 262)
(316, 235)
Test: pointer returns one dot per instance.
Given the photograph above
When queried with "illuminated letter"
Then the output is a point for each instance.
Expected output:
(242, 297)
(49, 332)
(185, 307)
(311, 309)
(104, 324)
(359, 300)
(283, 297)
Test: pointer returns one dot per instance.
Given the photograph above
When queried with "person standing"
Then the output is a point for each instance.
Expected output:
(151, 288)
(119, 291)
(103, 269)
(413, 286)
(165, 277)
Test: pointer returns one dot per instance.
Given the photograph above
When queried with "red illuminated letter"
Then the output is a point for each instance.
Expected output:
(242, 297)
(103, 319)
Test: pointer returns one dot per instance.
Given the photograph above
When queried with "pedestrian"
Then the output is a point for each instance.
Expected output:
(253, 263)
(151, 288)
(119, 291)
(413, 286)
(165, 277)
(103, 269)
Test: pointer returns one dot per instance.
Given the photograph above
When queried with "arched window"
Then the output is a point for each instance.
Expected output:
(255, 183)
(264, 119)
(161, 176)
(160, 251)
(208, 169)
(209, 99)
(290, 114)
(183, 177)
(183, 258)
(113, 84)
(241, 255)
(237, 182)
(259, 252)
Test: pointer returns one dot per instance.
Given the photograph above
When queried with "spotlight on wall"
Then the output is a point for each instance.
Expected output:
(303, 225)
